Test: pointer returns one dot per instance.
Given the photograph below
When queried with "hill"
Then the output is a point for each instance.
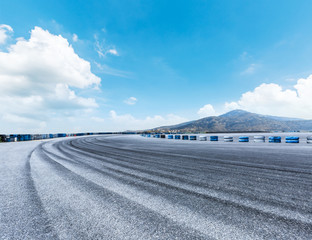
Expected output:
(240, 121)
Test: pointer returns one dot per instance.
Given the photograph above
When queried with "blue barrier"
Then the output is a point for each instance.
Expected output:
(170, 136)
(185, 137)
(292, 139)
(177, 137)
(193, 137)
(61, 135)
(24, 137)
(13, 137)
(275, 139)
(214, 138)
(243, 139)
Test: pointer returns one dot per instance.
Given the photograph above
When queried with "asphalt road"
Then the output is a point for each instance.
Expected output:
(130, 187)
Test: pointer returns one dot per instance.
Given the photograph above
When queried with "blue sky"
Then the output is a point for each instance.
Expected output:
(151, 62)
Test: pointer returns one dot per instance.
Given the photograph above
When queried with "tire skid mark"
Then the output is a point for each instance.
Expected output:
(269, 179)
(189, 182)
(225, 162)
(102, 193)
(172, 177)
(197, 194)
(58, 165)
(225, 168)
(40, 220)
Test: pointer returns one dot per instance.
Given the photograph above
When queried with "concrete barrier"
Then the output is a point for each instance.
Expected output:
(228, 139)
(170, 136)
(292, 139)
(193, 137)
(275, 139)
(177, 137)
(259, 138)
(243, 139)
(214, 138)
(185, 137)
(202, 138)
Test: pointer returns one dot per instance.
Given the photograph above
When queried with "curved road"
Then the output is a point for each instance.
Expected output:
(129, 187)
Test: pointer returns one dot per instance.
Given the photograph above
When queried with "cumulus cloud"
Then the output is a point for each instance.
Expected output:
(129, 122)
(4, 30)
(206, 111)
(37, 77)
(131, 101)
(272, 99)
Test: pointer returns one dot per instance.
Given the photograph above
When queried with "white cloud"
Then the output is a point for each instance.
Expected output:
(111, 71)
(4, 29)
(250, 69)
(103, 49)
(273, 100)
(129, 122)
(75, 37)
(16, 119)
(37, 77)
(113, 52)
(206, 111)
(231, 106)
(131, 101)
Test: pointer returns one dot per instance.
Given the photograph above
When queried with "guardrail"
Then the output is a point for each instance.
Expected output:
(227, 138)
(31, 137)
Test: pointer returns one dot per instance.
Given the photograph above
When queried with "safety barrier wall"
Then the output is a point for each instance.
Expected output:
(292, 139)
(259, 139)
(185, 137)
(275, 139)
(192, 137)
(227, 138)
(243, 139)
(214, 138)
(202, 138)
(30, 137)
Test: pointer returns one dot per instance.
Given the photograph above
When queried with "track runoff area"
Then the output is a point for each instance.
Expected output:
(134, 187)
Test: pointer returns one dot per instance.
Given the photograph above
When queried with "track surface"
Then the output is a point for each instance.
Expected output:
(129, 187)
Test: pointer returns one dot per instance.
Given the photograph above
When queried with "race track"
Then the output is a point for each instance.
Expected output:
(130, 187)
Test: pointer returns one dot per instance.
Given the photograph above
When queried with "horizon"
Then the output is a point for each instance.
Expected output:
(101, 66)
(158, 127)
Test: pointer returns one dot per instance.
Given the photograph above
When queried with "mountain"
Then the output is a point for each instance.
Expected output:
(240, 121)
